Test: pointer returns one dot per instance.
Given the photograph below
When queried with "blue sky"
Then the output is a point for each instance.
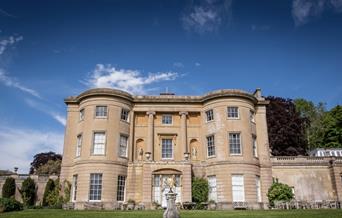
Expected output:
(53, 49)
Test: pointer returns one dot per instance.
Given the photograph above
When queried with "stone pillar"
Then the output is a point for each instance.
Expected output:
(171, 210)
(184, 140)
(150, 133)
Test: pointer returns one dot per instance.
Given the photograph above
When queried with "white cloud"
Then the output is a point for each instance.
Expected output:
(128, 80)
(207, 16)
(19, 145)
(7, 42)
(46, 109)
(197, 64)
(11, 82)
(305, 10)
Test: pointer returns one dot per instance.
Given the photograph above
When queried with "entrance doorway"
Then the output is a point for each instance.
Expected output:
(160, 188)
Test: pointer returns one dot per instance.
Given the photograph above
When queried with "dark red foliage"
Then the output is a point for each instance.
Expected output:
(286, 129)
(42, 158)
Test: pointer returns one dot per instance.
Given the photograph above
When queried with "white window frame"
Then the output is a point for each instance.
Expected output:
(166, 149)
(95, 185)
(238, 188)
(234, 143)
(121, 188)
(212, 182)
(211, 149)
(124, 116)
(79, 145)
(254, 146)
(82, 113)
(233, 114)
(209, 115)
(74, 188)
(166, 118)
(252, 116)
(105, 112)
(123, 146)
(103, 144)
(258, 189)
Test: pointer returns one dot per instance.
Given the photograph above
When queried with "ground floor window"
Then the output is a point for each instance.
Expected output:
(238, 188)
(74, 187)
(95, 189)
(160, 189)
(212, 188)
(258, 188)
(120, 196)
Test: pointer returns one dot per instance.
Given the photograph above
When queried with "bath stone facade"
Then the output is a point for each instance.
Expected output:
(121, 147)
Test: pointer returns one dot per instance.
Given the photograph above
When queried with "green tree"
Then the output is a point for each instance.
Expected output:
(50, 168)
(313, 116)
(199, 189)
(332, 124)
(28, 191)
(8, 189)
(50, 187)
(286, 129)
(42, 158)
(279, 192)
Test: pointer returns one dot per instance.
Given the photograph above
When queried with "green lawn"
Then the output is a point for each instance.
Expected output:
(184, 214)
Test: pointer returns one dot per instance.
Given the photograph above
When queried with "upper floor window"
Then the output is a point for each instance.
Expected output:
(124, 114)
(234, 143)
(95, 189)
(123, 146)
(101, 111)
(252, 116)
(120, 193)
(82, 114)
(167, 119)
(167, 149)
(233, 112)
(255, 148)
(99, 143)
(210, 115)
(211, 145)
(79, 145)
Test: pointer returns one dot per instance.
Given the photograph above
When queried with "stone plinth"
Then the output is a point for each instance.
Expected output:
(171, 210)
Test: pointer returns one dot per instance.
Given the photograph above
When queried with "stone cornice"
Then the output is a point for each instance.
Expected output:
(223, 93)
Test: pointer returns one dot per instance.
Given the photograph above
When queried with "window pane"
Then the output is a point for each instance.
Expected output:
(212, 188)
(211, 146)
(120, 196)
(101, 111)
(79, 145)
(167, 119)
(238, 188)
(166, 148)
(99, 143)
(95, 189)
(124, 114)
(233, 112)
(123, 146)
(210, 115)
(234, 143)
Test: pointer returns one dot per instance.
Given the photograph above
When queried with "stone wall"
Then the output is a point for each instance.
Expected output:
(40, 181)
(312, 178)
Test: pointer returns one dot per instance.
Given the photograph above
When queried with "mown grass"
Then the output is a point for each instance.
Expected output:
(49, 213)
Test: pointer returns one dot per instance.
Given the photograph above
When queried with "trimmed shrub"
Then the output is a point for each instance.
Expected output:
(50, 186)
(10, 204)
(279, 192)
(8, 189)
(28, 192)
(53, 198)
(200, 189)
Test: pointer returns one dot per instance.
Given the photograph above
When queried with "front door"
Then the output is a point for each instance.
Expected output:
(160, 189)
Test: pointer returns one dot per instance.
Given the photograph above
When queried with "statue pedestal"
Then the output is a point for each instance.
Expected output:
(171, 210)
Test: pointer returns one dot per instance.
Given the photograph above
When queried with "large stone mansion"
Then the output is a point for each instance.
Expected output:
(120, 147)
